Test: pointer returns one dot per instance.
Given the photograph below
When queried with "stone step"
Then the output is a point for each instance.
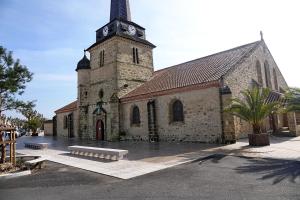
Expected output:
(284, 128)
(284, 134)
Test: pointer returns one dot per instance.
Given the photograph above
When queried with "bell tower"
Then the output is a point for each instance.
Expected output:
(121, 59)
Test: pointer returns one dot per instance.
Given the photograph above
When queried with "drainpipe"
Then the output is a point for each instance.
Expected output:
(222, 110)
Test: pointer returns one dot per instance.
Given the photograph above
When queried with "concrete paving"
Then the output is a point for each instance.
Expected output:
(286, 148)
(217, 178)
(146, 158)
(143, 157)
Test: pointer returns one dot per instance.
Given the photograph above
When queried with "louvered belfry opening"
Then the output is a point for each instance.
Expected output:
(152, 124)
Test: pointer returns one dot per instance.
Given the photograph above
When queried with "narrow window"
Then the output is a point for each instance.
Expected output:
(268, 75)
(133, 55)
(101, 59)
(65, 122)
(259, 74)
(135, 118)
(137, 56)
(254, 84)
(177, 112)
(275, 79)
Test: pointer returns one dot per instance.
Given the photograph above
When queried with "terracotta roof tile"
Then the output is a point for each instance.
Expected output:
(199, 71)
(68, 108)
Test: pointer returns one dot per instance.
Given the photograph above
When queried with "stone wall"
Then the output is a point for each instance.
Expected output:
(118, 76)
(229, 132)
(63, 132)
(202, 121)
(48, 128)
(241, 78)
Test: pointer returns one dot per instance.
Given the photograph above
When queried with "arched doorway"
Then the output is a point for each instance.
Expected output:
(100, 130)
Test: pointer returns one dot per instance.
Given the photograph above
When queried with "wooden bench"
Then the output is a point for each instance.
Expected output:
(33, 145)
(32, 164)
(102, 153)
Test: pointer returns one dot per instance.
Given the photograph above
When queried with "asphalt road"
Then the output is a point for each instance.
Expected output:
(218, 177)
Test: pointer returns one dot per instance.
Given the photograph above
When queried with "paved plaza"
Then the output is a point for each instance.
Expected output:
(146, 157)
(143, 157)
(285, 148)
(218, 177)
(162, 171)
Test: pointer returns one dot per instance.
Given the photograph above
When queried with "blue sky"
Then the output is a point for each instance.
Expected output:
(49, 36)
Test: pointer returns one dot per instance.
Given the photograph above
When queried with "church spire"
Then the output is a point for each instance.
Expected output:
(120, 9)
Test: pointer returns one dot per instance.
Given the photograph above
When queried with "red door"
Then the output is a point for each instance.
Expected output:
(100, 130)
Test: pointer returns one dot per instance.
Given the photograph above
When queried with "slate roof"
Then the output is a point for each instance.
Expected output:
(200, 71)
(68, 108)
(120, 9)
(275, 97)
(84, 63)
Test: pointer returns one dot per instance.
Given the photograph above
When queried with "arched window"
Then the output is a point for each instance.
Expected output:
(275, 79)
(135, 118)
(259, 74)
(177, 111)
(268, 75)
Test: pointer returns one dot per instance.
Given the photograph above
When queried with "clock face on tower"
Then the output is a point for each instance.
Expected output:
(131, 30)
(105, 31)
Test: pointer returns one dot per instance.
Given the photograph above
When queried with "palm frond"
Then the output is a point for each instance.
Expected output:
(253, 107)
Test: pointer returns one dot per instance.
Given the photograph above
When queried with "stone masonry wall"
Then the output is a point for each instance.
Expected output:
(241, 79)
(118, 76)
(202, 121)
(63, 132)
(48, 129)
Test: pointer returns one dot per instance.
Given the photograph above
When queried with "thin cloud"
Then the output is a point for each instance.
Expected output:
(56, 77)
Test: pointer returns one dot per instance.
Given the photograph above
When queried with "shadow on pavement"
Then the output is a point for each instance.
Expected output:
(276, 170)
(216, 158)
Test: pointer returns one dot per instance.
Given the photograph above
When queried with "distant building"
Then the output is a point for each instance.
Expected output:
(120, 94)
(48, 128)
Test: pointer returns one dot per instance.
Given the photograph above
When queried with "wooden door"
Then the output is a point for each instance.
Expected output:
(100, 130)
(285, 120)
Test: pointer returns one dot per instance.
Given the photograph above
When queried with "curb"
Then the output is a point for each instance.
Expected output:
(15, 175)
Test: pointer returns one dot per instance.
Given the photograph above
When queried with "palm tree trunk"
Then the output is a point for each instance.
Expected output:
(256, 129)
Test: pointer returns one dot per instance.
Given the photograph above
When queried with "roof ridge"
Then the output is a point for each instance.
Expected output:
(66, 106)
(214, 54)
(201, 70)
(244, 56)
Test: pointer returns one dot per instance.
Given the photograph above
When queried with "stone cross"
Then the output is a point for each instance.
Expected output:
(261, 35)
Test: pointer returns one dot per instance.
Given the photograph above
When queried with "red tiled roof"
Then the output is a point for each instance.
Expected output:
(68, 108)
(200, 71)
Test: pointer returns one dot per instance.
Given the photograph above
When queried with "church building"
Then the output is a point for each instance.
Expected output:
(121, 96)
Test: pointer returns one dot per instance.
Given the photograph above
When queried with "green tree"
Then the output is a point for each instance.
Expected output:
(253, 107)
(13, 79)
(33, 124)
(34, 120)
(27, 109)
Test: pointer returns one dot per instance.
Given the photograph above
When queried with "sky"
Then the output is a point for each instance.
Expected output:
(49, 36)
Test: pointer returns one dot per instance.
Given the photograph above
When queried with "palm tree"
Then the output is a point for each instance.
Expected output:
(293, 100)
(253, 107)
